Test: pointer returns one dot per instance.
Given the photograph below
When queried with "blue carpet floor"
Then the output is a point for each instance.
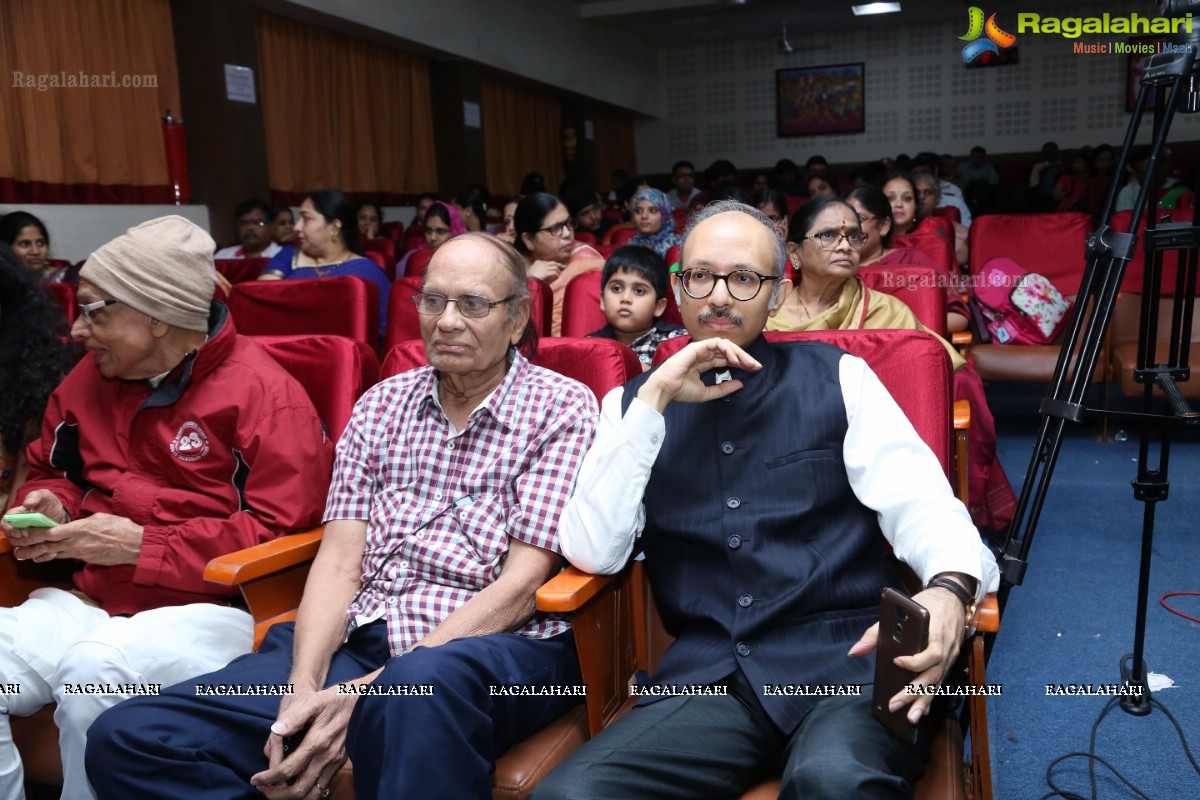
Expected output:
(1073, 618)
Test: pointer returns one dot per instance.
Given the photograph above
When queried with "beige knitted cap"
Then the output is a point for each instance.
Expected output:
(162, 268)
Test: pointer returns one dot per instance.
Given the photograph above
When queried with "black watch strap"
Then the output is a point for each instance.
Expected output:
(965, 597)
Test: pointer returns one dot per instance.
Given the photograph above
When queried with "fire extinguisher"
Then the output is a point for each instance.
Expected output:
(177, 162)
(570, 145)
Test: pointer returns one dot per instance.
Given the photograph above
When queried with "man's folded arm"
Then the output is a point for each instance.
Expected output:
(605, 514)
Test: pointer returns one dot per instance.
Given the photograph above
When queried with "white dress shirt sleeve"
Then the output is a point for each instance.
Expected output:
(892, 471)
(605, 515)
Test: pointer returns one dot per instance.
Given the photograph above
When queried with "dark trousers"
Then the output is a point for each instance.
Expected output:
(182, 744)
(696, 748)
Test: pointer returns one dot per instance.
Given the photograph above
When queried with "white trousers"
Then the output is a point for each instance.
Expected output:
(55, 648)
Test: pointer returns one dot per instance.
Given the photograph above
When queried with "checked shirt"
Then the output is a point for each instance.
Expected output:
(401, 465)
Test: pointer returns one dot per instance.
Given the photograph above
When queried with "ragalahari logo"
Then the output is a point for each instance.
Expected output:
(996, 38)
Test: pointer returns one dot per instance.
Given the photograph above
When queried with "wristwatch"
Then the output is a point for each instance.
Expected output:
(964, 596)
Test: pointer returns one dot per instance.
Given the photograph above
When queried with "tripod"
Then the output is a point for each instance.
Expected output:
(1109, 252)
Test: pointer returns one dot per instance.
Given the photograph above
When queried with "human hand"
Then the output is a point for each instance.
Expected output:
(947, 619)
(39, 501)
(99, 539)
(545, 270)
(224, 283)
(311, 767)
(678, 378)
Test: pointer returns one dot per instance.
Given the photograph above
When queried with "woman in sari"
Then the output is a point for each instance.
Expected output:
(326, 241)
(875, 216)
(546, 238)
(825, 242)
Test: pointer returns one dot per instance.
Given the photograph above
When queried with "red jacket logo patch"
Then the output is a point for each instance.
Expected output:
(190, 443)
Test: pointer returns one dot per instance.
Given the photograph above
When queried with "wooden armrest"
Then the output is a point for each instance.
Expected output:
(234, 569)
(961, 338)
(569, 590)
(5, 544)
(987, 616)
(962, 415)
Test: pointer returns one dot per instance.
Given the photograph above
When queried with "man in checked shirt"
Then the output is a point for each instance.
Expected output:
(440, 525)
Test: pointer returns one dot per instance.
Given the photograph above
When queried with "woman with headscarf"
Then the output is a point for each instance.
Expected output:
(825, 242)
(442, 223)
(653, 220)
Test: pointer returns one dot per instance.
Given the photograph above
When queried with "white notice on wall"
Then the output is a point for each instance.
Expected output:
(471, 117)
(587, 130)
(239, 84)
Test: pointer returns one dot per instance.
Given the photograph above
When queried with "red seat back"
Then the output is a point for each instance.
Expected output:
(912, 365)
(584, 237)
(343, 306)
(581, 305)
(619, 236)
(64, 296)
(600, 364)
(949, 212)
(385, 246)
(334, 370)
(1048, 244)
(1135, 271)
(403, 321)
(674, 255)
(938, 248)
(919, 288)
(541, 308)
(418, 262)
(679, 217)
(238, 270)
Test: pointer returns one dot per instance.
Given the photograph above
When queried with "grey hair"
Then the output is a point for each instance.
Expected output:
(722, 206)
(928, 177)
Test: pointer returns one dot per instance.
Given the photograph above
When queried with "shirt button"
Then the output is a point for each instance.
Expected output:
(733, 502)
(743, 649)
(392, 602)
(450, 445)
(735, 542)
(403, 565)
(727, 448)
(745, 600)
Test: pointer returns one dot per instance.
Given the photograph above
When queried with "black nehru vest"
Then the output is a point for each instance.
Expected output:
(760, 557)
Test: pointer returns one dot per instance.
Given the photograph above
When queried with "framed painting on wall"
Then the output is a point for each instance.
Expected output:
(820, 100)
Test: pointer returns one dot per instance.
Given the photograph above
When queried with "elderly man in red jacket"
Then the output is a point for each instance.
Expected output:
(173, 441)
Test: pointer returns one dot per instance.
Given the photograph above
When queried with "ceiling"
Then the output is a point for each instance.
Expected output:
(673, 23)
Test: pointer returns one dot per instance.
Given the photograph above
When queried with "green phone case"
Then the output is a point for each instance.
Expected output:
(31, 520)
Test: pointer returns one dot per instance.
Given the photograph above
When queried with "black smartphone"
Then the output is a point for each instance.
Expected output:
(903, 631)
(291, 743)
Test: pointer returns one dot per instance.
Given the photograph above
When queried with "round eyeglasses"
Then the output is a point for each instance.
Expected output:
(742, 284)
(829, 239)
(432, 304)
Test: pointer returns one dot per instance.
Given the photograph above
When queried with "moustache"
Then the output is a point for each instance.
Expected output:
(720, 313)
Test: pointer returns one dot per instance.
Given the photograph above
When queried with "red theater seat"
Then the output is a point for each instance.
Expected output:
(334, 370)
(238, 270)
(343, 306)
